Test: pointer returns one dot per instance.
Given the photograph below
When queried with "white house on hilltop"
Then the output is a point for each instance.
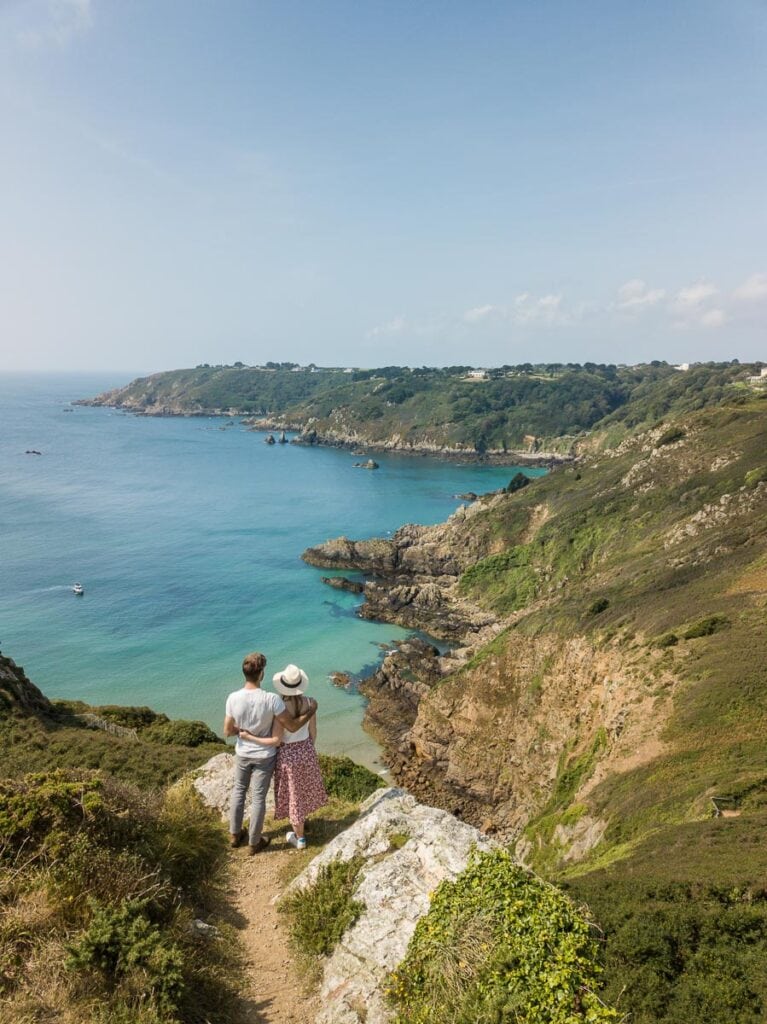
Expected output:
(759, 378)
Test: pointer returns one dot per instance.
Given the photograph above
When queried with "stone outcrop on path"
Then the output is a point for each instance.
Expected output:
(394, 885)
(214, 783)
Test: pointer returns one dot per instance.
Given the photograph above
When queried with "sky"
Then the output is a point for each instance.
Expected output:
(417, 182)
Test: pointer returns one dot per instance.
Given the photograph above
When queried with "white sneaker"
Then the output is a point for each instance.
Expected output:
(290, 837)
(301, 843)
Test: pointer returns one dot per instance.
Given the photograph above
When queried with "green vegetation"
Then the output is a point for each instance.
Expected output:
(506, 581)
(444, 406)
(658, 558)
(517, 482)
(98, 892)
(56, 737)
(319, 916)
(498, 945)
(706, 627)
(347, 780)
(685, 924)
(755, 477)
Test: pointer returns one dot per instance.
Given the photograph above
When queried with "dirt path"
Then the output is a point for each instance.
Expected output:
(275, 994)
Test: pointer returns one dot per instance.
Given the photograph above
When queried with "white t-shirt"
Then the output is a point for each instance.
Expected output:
(254, 710)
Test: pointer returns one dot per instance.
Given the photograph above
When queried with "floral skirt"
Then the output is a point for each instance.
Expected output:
(298, 788)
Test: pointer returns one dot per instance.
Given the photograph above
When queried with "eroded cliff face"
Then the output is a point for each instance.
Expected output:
(492, 741)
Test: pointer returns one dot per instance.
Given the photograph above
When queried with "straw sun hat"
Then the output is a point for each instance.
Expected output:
(290, 681)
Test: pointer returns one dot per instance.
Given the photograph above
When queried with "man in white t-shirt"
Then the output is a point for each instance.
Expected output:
(250, 713)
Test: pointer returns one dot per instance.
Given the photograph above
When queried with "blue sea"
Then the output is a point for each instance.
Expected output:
(187, 536)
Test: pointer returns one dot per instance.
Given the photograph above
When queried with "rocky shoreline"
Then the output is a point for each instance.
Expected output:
(308, 436)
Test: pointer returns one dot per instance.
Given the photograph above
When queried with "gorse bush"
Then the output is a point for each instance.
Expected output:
(180, 732)
(676, 953)
(706, 627)
(122, 943)
(104, 881)
(499, 946)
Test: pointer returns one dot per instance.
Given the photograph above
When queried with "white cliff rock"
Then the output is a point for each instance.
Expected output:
(394, 887)
(214, 784)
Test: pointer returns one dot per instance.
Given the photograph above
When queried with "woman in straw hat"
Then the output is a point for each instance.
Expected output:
(298, 788)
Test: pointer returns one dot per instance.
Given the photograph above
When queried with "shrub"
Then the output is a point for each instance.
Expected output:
(347, 780)
(180, 732)
(667, 640)
(678, 953)
(39, 814)
(756, 477)
(499, 946)
(706, 627)
(321, 914)
(105, 881)
(122, 944)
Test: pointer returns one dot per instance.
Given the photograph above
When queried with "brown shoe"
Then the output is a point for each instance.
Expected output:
(238, 840)
(262, 844)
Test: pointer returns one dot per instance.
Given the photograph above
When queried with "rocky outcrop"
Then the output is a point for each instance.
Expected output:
(19, 694)
(395, 689)
(446, 549)
(416, 571)
(409, 849)
(342, 583)
(214, 781)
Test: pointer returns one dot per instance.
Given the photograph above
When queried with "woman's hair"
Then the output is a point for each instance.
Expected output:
(295, 704)
(253, 666)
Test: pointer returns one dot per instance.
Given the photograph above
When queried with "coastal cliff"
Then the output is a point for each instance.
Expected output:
(598, 617)
(535, 415)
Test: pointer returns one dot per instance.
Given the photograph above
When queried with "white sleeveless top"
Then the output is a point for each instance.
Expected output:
(296, 737)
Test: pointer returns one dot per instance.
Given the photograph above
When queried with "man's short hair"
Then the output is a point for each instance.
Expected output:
(253, 666)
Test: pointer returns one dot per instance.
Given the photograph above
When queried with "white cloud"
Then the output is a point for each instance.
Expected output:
(546, 310)
(753, 289)
(473, 316)
(713, 318)
(395, 326)
(60, 21)
(636, 295)
(695, 295)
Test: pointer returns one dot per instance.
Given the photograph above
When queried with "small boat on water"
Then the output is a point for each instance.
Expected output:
(78, 588)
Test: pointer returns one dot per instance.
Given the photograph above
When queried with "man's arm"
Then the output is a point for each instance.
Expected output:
(294, 724)
(230, 726)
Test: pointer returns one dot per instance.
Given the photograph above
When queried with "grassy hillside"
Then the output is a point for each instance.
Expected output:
(112, 882)
(36, 734)
(442, 407)
(653, 552)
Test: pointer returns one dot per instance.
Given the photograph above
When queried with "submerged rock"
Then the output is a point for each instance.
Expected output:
(342, 583)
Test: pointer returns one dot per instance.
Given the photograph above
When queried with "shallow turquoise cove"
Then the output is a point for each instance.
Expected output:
(186, 534)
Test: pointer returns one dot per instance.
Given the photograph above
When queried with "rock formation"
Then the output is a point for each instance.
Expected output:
(17, 693)
(342, 583)
(409, 849)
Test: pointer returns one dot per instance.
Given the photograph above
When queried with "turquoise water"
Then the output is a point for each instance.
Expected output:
(186, 534)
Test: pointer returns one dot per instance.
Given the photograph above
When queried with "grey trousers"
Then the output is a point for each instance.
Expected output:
(261, 773)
